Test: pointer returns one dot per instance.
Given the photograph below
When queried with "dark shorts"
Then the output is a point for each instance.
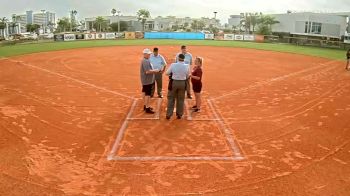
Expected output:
(197, 87)
(147, 89)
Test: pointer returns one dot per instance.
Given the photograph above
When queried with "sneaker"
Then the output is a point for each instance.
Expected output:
(178, 116)
(197, 110)
(189, 97)
(149, 111)
(167, 117)
(160, 96)
(144, 108)
(194, 107)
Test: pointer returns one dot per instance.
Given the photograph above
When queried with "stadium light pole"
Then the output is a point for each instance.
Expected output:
(118, 21)
(43, 11)
(215, 15)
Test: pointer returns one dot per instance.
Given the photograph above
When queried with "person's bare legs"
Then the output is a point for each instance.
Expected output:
(147, 101)
(347, 65)
(198, 100)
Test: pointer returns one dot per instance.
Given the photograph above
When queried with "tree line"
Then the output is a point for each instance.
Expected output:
(255, 23)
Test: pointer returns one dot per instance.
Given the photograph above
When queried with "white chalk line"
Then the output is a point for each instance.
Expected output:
(125, 122)
(188, 110)
(114, 157)
(72, 79)
(122, 130)
(235, 150)
(164, 158)
(159, 104)
(280, 78)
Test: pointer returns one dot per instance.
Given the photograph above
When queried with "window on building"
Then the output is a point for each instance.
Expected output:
(316, 28)
(306, 27)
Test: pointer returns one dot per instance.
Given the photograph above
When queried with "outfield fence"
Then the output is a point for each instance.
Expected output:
(303, 41)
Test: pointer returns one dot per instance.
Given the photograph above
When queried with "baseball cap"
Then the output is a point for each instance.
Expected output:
(147, 51)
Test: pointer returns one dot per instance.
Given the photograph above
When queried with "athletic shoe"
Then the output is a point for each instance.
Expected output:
(189, 97)
(149, 111)
(178, 116)
(196, 110)
(194, 107)
(160, 96)
(167, 117)
(144, 108)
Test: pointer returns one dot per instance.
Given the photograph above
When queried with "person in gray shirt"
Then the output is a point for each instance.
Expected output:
(147, 79)
(187, 60)
(179, 73)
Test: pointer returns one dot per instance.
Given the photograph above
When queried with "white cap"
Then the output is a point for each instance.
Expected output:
(147, 51)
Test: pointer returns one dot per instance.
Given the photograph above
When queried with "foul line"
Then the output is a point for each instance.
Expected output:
(121, 131)
(189, 112)
(258, 84)
(227, 131)
(163, 158)
(72, 79)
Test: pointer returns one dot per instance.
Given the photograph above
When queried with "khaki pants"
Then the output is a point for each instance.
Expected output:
(177, 94)
(159, 81)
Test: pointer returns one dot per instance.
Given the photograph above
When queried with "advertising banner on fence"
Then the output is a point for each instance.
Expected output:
(130, 35)
(59, 37)
(119, 35)
(89, 36)
(249, 38)
(229, 37)
(209, 36)
(239, 37)
(100, 36)
(259, 38)
(69, 37)
(110, 35)
(79, 36)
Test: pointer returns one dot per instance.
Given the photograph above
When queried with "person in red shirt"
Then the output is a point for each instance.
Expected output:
(196, 79)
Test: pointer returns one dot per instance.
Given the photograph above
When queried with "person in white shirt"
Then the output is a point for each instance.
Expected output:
(179, 73)
(187, 60)
(158, 62)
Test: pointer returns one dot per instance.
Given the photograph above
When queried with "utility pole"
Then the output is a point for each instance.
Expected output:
(118, 21)
(215, 15)
(43, 11)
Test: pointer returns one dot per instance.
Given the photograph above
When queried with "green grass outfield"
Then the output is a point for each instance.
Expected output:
(21, 49)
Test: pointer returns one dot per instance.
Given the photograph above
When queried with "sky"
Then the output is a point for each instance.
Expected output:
(181, 8)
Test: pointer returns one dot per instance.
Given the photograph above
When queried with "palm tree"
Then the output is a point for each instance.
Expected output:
(3, 25)
(100, 21)
(72, 19)
(63, 24)
(114, 11)
(143, 15)
(254, 18)
(14, 21)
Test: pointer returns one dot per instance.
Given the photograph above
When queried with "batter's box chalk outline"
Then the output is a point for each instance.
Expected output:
(156, 115)
(223, 127)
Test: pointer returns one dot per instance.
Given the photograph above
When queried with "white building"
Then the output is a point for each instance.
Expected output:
(312, 24)
(157, 24)
(234, 20)
(167, 23)
(46, 20)
(132, 22)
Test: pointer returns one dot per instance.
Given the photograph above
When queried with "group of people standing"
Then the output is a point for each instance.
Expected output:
(153, 66)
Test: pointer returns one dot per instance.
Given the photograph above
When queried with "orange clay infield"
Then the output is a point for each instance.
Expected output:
(71, 122)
